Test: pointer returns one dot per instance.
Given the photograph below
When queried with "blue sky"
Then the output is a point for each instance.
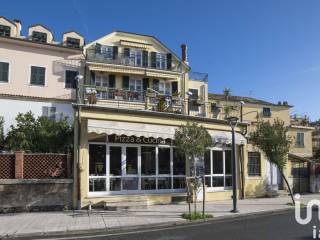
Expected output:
(258, 48)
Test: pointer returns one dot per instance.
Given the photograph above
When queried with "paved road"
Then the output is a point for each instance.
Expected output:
(280, 226)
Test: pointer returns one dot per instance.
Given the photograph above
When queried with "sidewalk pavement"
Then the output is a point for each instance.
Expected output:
(46, 223)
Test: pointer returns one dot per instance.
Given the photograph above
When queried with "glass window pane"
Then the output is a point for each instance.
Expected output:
(148, 183)
(97, 160)
(132, 160)
(254, 164)
(148, 160)
(164, 160)
(97, 185)
(164, 183)
(179, 163)
(228, 181)
(115, 161)
(217, 162)
(228, 161)
(179, 183)
(138, 85)
(4, 72)
(115, 184)
(217, 181)
(207, 163)
(130, 183)
(37, 75)
(132, 85)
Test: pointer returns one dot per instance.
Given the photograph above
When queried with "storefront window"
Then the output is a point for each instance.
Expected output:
(148, 160)
(218, 169)
(115, 184)
(97, 185)
(97, 163)
(179, 183)
(179, 163)
(148, 183)
(164, 160)
(118, 168)
(115, 161)
(132, 160)
(130, 183)
(228, 162)
(164, 183)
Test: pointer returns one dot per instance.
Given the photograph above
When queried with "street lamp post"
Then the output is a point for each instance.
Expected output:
(233, 121)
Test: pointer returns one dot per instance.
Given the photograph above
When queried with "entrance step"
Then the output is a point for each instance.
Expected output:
(178, 199)
(127, 204)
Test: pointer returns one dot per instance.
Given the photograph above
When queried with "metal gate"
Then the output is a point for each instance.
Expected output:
(300, 172)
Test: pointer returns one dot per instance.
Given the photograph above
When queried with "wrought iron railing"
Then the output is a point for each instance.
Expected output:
(151, 101)
(134, 60)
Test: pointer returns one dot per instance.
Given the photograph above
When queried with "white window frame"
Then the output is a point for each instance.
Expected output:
(165, 87)
(139, 175)
(9, 71)
(161, 61)
(224, 175)
(45, 75)
(299, 143)
(106, 51)
(135, 82)
(136, 54)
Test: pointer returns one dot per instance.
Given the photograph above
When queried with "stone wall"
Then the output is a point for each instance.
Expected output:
(35, 194)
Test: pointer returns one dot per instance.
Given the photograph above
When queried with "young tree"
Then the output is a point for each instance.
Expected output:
(274, 141)
(1, 134)
(192, 140)
(41, 135)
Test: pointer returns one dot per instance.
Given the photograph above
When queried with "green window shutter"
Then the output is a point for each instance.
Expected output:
(174, 87)
(145, 58)
(98, 48)
(153, 59)
(156, 84)
(145, 84)
(125, 82)
(169, 61)
(115, 52)
(93, 78)
(112, 81)
(38, 76)
(126, 52)
(4, 72)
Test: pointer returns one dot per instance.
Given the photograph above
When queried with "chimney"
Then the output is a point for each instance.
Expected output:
(18, 23)
(184, 49)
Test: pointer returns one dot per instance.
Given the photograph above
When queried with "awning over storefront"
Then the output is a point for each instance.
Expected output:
(155, 131)
(131, 129)
(226, 137)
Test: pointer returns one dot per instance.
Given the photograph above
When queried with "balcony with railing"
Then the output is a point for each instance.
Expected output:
(150, 100)
(139, 59)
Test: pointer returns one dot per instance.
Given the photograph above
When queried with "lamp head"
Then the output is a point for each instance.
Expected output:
(189, 93)
(79, 77)
(233, 121)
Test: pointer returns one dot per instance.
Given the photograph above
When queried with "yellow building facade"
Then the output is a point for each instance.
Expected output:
(134, 95)
(260, 177)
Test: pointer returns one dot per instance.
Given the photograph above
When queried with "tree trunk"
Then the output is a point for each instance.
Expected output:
(288, 186)
(195, 184)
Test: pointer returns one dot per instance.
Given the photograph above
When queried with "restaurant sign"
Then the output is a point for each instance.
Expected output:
(137, 140)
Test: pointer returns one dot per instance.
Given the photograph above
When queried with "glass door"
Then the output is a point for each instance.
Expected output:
(130, 181)
(115, 167)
